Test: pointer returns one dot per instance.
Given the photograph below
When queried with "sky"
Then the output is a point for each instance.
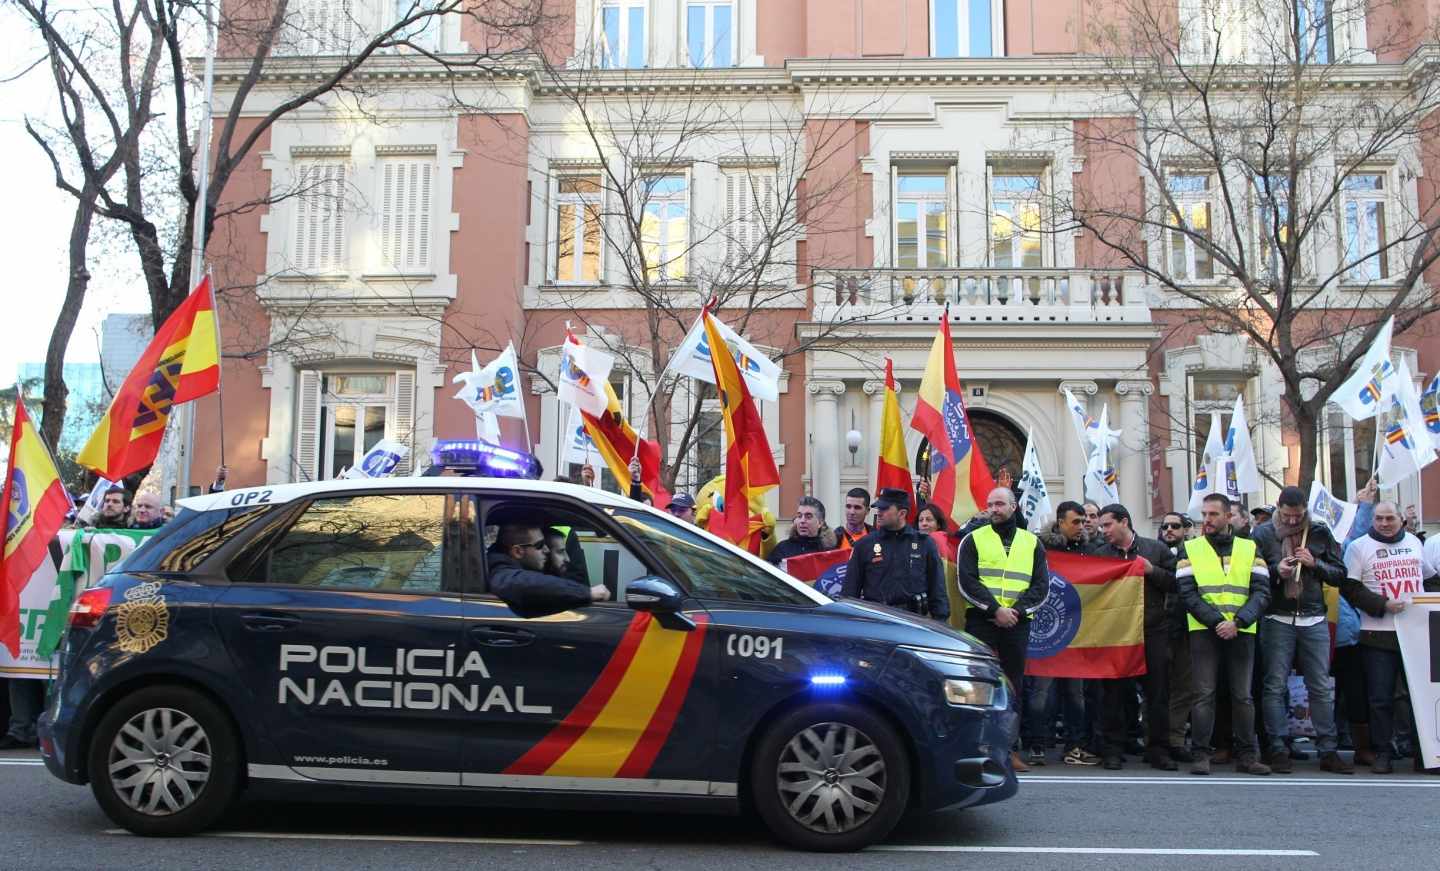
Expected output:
(36, 225)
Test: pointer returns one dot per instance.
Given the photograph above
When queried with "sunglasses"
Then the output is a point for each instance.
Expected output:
(538, 545)
(1172, 526)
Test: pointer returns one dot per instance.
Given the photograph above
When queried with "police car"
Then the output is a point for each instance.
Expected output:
(331, 639)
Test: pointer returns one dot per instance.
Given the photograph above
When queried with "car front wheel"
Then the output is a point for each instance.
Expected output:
(830, 777)
(164, 761)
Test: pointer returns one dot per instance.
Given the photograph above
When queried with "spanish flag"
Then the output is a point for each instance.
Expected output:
(1092, 625)
(34, 502)
(614, 438)
(960, 480)
(181, 363)
(749, 466)
(894, 465)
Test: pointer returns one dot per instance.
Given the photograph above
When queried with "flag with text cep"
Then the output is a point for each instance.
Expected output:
(1092, 624)
(181, 363)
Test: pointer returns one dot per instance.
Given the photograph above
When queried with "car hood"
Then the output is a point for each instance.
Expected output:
(900, 627)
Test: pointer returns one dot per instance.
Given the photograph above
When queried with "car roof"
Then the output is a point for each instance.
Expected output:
(279, 494)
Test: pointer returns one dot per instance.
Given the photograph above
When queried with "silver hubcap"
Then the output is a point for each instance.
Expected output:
(831, 778)
(160, 761)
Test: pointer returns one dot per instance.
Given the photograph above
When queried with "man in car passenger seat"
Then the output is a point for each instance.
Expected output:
(516, 564)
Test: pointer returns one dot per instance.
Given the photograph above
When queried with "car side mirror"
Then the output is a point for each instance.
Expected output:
(657, 596)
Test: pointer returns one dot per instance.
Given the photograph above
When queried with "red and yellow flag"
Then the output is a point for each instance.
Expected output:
(614, 438)
(960, 478)
(894, 465)
(1092, 624)
(749, 465)
(181, 363)
(34, 503)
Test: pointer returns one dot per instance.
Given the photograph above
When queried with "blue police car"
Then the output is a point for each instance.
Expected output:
(506, 641)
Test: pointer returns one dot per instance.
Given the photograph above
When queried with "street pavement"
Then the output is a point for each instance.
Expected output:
(1064, 817)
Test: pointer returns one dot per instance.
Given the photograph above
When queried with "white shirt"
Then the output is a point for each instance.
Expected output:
(1432, 555)
(1395, 571)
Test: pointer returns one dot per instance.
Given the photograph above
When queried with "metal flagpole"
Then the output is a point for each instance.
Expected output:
(197, 248)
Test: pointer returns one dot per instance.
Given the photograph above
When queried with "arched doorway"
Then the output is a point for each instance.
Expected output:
(1001, 442)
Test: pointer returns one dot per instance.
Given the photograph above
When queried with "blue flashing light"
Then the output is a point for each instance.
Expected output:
(485, 459)
(827, 680)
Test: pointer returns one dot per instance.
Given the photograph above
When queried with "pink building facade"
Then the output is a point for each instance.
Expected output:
(877, 158)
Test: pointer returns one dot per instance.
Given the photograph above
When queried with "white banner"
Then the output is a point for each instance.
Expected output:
(1418, 628)
(379, 461)
(583, 373)
(495, 388)
(1337, 514)
(692, 358)
(1034, 495)
(85, 562)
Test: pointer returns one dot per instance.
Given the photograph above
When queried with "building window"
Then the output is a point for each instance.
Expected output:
(1348, 450)
(922, 220)
(424, 34)
(319, 27)
(1189, 258)
(1209, 393)
(405, 206)
(340, 415)
(750, 201)
(1312, 20)
(577, 230)
(622, 33)
(709, 445)
(967, 28)
(319, 243)
(1362, 204)
(1272, 195)
(1016, 219)
(710, 33)
(665, 227)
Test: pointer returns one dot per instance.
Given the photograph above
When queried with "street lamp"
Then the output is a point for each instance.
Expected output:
(852, 441)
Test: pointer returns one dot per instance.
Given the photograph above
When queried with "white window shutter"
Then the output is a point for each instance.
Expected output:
(405, 215)
(305, 201)
(332, 253)
(733, 218)
(405, 418)
(307, 427)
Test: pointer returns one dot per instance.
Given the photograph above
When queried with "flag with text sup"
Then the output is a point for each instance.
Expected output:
(960, 481)
(181, 363)
(1405, 446)
(692, 358)
(1430, 409)
(584, 377)
(1092, 624)
(1364, 393)
(34, 504)
(495, 387)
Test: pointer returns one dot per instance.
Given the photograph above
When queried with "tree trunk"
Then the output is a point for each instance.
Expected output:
(52, 414)
(1307, 416)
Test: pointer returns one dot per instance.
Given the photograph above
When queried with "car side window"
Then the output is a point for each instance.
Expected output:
(577, 545)
(383, 542)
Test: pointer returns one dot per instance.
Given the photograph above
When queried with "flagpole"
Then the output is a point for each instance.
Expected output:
(219, 364)
(643, 428)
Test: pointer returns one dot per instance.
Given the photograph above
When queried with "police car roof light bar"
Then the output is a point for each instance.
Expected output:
(485, 459)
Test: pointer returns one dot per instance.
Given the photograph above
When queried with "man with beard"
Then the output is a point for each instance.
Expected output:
(808, 534)
(1302, 557)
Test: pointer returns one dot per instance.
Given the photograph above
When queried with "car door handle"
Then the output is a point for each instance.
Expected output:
(269, 622)
(501, 636)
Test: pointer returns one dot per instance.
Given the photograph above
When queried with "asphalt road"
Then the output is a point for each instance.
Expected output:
(1063, 818)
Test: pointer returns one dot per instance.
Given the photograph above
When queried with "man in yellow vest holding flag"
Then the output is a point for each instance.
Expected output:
(1002, 573)
(1225, 586)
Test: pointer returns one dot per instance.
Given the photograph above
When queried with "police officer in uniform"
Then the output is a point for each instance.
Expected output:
(1002, 572)
(897, 564)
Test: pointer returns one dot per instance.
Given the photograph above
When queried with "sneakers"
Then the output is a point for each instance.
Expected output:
(1113, 763)
(1383, 763)
(1080, 756)
(1017, 763)
(1180, 754)
(1334, 763)
(1201, 765)
(1248, 764)
(1280, 762)
(1036, 756)
(1159, 758)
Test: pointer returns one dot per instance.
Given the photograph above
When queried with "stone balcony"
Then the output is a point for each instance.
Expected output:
(982, 295)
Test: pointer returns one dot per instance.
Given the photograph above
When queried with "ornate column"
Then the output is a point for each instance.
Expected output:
(1134, 451)
(876, 391)
(1073, 452)
(825, 452)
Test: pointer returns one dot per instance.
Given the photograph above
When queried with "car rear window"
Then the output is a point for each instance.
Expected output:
(185, 542)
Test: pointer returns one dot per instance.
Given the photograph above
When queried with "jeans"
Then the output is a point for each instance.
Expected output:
(1308, 647)
(1208, 655)
(27, 700)
(1010, 645)
(1384, 670)
(1044, 694)
(1182, 686)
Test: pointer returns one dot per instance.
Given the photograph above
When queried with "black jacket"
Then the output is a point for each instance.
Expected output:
(1159, 580)
(798, 545)
(1207, 613)
(891, 567)
(1329, 569)
(1053, 540)
(967, 574)
(531, 593)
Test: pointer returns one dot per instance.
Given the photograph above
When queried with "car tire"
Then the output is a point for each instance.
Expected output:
(164, 761)
(813, 794)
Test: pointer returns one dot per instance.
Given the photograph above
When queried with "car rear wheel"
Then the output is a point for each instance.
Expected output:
(830, 777)
(164, 761)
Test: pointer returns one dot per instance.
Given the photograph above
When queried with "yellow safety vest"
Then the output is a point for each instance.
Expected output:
(1006, 574)
(1226, 591)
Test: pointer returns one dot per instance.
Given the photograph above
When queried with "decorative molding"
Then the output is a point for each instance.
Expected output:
(539, 386)
(753, 161)
(1013, 157)
(874, 388)
(572, 164)
(924, 157)
(319, 151)
(1139, 387)
(1090, 388)
(405, 151)
(825, 389)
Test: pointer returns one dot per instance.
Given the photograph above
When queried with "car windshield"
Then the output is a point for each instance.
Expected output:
(709, 570)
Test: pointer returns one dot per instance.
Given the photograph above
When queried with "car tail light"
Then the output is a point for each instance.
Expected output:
(89, 608)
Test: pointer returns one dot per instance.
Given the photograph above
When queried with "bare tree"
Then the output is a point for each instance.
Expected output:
(1277, 169)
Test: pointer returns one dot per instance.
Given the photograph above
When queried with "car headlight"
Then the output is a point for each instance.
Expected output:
(974, 693)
